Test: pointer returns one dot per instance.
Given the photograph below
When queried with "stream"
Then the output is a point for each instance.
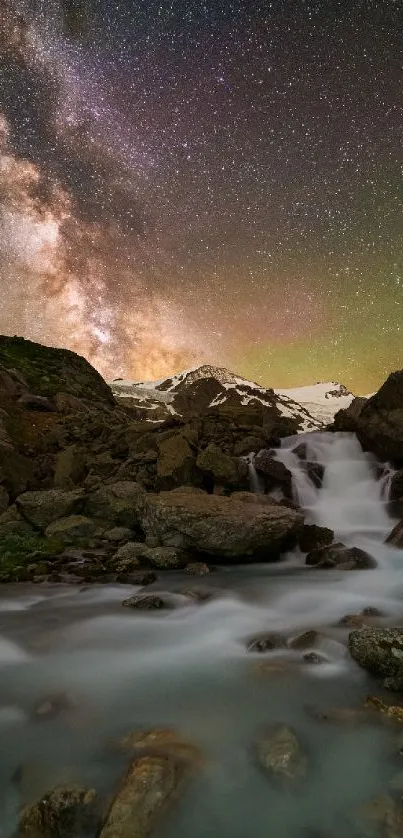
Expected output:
(189, 668)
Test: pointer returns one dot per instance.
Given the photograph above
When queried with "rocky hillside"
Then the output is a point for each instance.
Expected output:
(198, 391)
(95, 485)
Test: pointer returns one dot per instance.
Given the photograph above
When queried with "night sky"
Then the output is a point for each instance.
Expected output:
(205, 181)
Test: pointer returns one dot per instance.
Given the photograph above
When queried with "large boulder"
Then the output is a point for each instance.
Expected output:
(176, 462)
(235, 527)
(43, 508)
(347, 419)
(12, 523)
(341, 557)
(62, 813)
(116, 503)
(379, 421)
(222, 468)
(380, 652)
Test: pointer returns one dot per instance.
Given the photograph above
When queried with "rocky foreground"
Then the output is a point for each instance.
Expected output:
(91, 487)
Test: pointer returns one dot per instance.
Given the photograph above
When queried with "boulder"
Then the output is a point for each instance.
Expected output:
(164, 558)
(348, 418)
(340, 556)
(275, 473)
(222, 468)
(64, 812)
(161, 765)
(70, 467)
(176, 462)
(118, 535)
(226, 527)
(117, 503)
(131, 552)
(305, 640)
(313, 536)
(137, 577)
(279, 753)
(380, 652)
(378, 421)
(73, 528)
(43, 508)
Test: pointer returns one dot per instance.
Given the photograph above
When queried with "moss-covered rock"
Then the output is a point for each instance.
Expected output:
(41, 509)
(48, 371)
(117, 503)
(222, 468)
(74, 529)
(21, 555)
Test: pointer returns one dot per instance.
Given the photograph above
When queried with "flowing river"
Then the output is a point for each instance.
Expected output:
(189, 668)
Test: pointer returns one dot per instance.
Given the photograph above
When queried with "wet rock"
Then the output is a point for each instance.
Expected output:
(280, 754)
(199, 594)
(266, 642)
(387, 814)
(390, 711)
(161, 740)
(371, 611)
(341, 557)
(41, 509)
(64, 812)
(227, 527)
(379, 651)
(144, 602)
(275, 667)
(353, 621)
(396, 536)
(315, 473)
(153, 781)
(304, 640)
(164, 558)
(313, 537)
(314, 658)
(128, 554)
(275, 473)
(197, 568)
(74, 528)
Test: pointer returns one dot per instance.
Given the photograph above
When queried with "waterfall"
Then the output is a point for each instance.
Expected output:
(256, 483)
(352, 499)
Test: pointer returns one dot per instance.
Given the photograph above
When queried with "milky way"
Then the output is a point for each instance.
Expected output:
(184, 182)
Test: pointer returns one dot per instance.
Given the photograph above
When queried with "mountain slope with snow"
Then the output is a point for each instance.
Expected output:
(322, 400)
(199, 389)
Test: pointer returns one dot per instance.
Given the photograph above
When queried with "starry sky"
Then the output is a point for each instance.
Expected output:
(196, 181)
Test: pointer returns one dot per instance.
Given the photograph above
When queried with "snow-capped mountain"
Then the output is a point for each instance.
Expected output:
(321, 400)
(199, 389)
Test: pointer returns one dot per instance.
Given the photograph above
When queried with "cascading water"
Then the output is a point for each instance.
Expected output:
(189, 668)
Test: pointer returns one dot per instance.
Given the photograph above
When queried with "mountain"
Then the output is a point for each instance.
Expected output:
(200, 389)
(322, 400)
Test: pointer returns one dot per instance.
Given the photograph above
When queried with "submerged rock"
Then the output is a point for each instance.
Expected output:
(266, 642)
(380, 651)
(341, 557)
(64, 812)
(280, 754)
(144, 602)
(155, 777)
(304, 640)
(315, 658)
(390, 711)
